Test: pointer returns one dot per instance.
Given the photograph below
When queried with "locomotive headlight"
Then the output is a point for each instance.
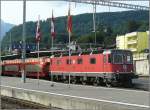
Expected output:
(41, 63)
(41, 59)
(48, 60)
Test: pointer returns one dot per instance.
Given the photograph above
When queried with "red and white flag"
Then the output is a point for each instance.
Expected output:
(53, 34)
(38, 31)
(69, 25)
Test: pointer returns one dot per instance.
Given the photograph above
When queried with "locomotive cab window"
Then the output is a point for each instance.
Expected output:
(79, 61)
(129, 59)
(118, 58)
(92, 60)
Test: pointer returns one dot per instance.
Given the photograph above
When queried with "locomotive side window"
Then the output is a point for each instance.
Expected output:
(105, 59)
(58, 62)
(79, 61)
(92, 61)
(68, 61)
(118, 58)
(109, 59)
(51, 62)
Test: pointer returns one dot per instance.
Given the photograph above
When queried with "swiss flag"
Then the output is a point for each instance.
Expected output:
(69, 25)
(38, 31)
(53, 34)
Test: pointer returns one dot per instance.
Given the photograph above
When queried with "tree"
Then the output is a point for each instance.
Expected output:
(132, 25)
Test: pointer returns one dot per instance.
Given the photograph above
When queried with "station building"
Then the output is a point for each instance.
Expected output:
(137, 42)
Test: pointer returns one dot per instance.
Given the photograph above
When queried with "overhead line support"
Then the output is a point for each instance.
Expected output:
(113, 4)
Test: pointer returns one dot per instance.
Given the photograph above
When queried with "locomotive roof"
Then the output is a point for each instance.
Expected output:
(63, 53)
(117, 51)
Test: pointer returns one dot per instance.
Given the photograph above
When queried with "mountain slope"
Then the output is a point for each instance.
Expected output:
(82, 25)
(5, 27)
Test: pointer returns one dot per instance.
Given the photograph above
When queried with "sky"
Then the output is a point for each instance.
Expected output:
(12, 11)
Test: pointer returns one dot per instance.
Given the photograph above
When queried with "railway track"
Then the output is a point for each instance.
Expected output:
(138, 84)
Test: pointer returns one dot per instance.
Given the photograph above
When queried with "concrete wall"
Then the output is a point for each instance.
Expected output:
(65, 102)
(142, 67)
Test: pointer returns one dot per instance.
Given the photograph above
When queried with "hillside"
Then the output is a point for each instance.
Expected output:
(116, 22)
(5, 27)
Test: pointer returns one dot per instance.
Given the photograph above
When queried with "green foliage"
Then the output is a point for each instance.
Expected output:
(104, 37)
(108, 26)
(132, 25)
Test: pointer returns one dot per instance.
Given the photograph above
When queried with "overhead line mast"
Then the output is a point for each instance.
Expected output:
(113, 4)
(23, 73)
(94, 20)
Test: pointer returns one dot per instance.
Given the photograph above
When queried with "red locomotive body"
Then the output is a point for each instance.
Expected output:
(108, 67)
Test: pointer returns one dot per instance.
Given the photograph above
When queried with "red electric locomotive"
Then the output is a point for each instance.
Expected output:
(109, 67)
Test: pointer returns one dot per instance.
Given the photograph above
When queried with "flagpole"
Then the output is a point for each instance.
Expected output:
(52, 29)
(52, 43)
(69, 57)
(149, 57)
(0, 54)
(38, 35)
(52, 54)
(69, 43)
(38, 61)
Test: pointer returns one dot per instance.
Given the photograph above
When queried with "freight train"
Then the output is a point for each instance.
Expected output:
(101, 67)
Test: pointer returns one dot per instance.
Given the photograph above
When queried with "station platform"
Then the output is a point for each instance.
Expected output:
(71, 96)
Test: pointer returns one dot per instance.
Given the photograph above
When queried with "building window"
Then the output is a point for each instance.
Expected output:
(68, 61)
(92, 61)
(80, 61)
